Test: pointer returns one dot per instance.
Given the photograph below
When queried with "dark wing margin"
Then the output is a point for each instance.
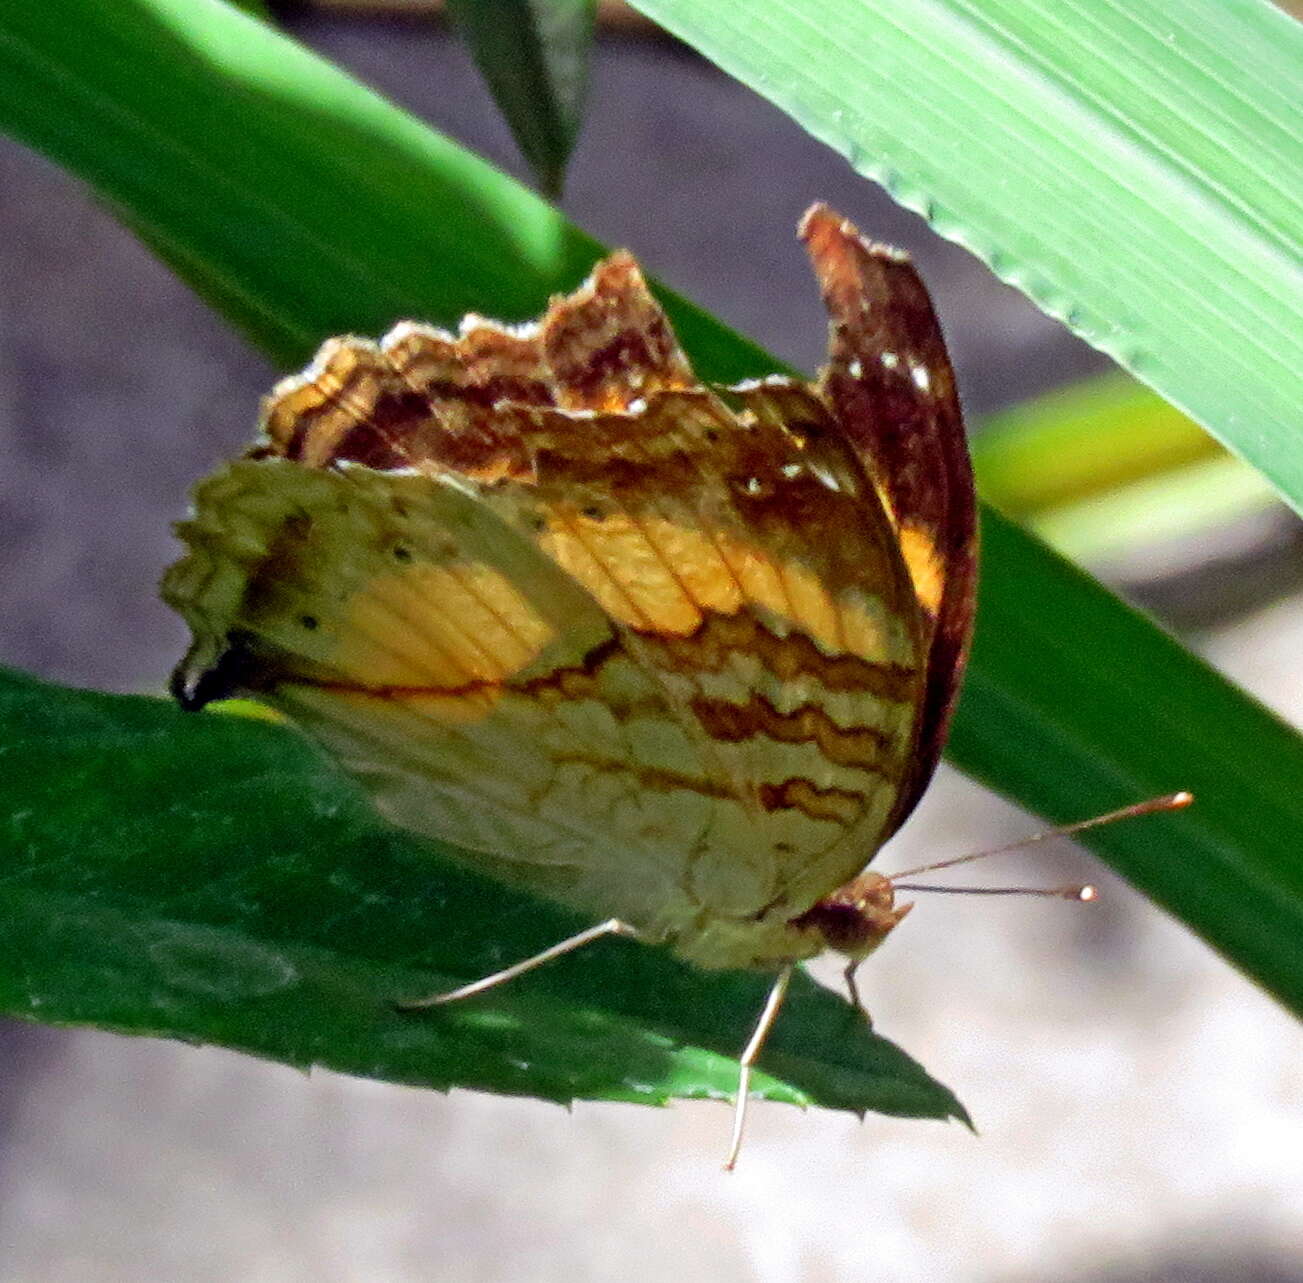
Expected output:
(892, 392)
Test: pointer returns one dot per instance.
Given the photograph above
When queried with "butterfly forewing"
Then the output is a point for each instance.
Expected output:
(892, 390)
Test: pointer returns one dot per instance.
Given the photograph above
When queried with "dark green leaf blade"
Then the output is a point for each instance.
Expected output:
(316, 204)
(212, 878)
(1076, 705)
(534, 56)
(254, 8)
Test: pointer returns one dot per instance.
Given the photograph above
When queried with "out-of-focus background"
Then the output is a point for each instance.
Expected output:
(1140, 1104)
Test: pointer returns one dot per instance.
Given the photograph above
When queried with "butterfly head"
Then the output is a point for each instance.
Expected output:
(856, 918)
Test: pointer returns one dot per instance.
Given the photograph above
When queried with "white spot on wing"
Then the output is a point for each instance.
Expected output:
(769, 381)
(825, 478)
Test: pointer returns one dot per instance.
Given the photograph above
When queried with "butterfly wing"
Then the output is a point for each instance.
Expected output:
(650, 652)
(891, 388)
(789, 664)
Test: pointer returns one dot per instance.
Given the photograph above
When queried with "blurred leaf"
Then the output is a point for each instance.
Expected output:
(1134, 168)
(322, 209)
(298, 201)
(212, 878)
(1080, 441)
(1104, 466)
(1184, 503)
(534, 55)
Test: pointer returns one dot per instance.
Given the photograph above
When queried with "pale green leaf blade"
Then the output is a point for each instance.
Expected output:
(1104, 468)
(1137, 169)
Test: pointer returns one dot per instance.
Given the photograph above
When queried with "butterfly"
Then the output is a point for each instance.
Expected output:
(682, 657)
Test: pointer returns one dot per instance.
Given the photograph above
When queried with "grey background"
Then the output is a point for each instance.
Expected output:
(1140, 1102)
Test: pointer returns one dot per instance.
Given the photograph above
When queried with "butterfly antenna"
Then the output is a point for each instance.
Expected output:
(1155, 805)
(1082, 892)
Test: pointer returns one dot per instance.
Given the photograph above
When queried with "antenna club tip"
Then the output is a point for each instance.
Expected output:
(1168, 802)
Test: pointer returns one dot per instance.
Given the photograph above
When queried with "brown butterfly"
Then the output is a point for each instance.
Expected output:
(681, 657)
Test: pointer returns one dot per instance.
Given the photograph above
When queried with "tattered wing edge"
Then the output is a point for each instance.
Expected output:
(891, 388)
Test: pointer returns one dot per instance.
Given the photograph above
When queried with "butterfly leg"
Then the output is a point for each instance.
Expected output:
(611, 927)
(854, 990)
(748, 1058)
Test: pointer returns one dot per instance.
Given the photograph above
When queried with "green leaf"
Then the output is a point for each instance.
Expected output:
(1186, 503)
(254, 8)
(1135, 168)
(212, 878)
(534, 55)
(321, 209)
